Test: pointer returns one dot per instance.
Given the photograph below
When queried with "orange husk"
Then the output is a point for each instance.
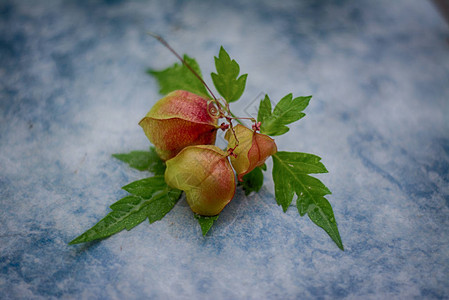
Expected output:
(252, 150)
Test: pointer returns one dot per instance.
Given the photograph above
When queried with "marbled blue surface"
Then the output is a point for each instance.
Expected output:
(73, 87)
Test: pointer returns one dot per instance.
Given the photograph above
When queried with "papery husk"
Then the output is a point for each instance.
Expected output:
(178, 120)
(252, 151)
(204, 173)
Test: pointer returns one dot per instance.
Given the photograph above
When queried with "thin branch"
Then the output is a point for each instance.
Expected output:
(163, 42)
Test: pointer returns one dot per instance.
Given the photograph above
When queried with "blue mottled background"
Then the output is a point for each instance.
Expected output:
(73, 87)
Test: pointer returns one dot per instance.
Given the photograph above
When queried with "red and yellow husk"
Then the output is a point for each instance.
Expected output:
(178, 120)
(251, 152)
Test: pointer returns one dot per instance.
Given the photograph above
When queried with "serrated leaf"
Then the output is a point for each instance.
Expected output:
(151, 199)
(205, 222)
(179, 77)
(146, 187)
(287, 111)
(225, 80)
(253, 181)
(143, 161)
(264, 109)
(290, 176)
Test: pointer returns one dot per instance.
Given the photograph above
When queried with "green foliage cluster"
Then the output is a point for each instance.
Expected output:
(152, 198)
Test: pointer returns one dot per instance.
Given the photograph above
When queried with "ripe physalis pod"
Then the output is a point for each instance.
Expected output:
(252, 150)
(205, 175)
(178, 120)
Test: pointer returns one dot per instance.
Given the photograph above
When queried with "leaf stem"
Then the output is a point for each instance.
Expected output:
(237, 119)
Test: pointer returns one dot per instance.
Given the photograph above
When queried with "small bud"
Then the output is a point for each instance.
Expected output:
(256, 126)
(224, 126)
(178, 120)
(204, 173)
(252, 150)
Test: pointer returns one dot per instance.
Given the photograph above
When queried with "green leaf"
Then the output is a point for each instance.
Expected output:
(143, 161)
(264, 109)
(253, 181)
(179, 77)
(151, 199)
(290, 176)
(287, 111)
(225, 80)
(205, 222)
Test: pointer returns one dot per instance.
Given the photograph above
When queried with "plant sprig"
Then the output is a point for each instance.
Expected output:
(152, 198)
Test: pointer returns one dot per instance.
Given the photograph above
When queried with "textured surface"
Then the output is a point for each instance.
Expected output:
(73, 87)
